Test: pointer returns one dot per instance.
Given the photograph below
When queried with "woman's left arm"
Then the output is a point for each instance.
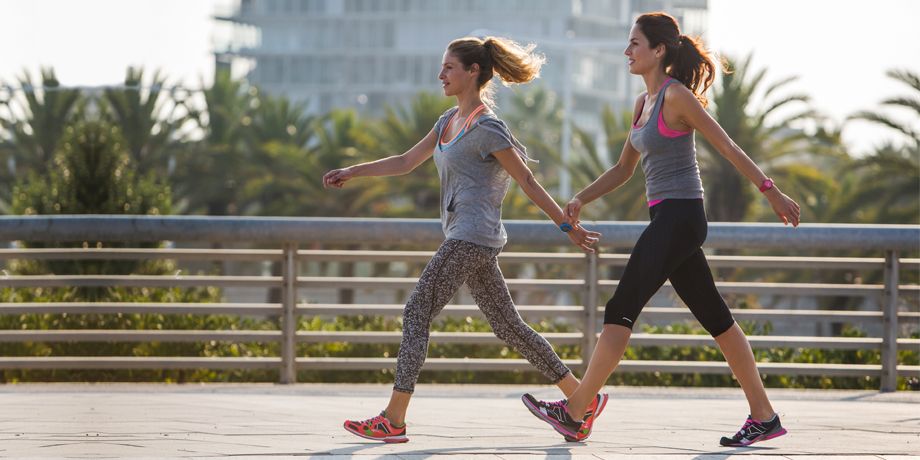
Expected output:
(685, 105)
(512, 162)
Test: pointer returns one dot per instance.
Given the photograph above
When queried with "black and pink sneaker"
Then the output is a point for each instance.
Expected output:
(755, 431)
(555, 414)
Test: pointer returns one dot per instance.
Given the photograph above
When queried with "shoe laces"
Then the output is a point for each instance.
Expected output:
(371, 421)
(744, 428)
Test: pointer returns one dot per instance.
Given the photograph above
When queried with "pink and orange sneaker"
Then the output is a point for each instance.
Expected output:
(594, 410)
(377, 428)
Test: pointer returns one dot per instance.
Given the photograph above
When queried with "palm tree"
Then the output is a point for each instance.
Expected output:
(35, 120)
(535, 118)
(910, 102)
(280, 120)
(276, 181)
(887, 182)
(149, 121)
(399, 130)
(788, 156)
(343, 140)
(211, 171)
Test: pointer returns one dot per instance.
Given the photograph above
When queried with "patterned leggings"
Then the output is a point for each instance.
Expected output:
(457, 262)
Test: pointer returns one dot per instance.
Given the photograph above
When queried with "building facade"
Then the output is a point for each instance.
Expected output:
(368, 54)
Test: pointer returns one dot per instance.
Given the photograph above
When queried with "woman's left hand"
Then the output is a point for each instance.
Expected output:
(583, 237)
(784, 207)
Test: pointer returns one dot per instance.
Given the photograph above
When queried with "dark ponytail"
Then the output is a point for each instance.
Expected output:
(685, 59)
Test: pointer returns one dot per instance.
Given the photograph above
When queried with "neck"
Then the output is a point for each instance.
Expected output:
(467, 103)
(654, 80)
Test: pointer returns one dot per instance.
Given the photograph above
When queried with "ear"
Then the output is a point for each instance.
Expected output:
(660, 50)
(474, 68)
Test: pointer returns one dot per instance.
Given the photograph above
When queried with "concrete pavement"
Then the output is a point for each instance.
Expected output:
(445, 421)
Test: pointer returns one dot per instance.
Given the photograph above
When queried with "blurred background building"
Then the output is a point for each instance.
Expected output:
(367, 54)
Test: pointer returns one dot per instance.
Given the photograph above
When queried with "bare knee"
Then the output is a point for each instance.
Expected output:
(616, 330)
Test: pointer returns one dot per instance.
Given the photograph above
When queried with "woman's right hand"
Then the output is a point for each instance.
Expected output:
(583, 237)
(337, 177)
(572, 210)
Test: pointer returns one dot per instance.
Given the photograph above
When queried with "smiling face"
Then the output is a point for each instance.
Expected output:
(641, 57)
(454, 78)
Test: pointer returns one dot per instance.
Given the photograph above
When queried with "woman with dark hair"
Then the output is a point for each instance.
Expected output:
(476, 157)
(677, 70)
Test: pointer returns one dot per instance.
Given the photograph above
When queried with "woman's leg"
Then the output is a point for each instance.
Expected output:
(740, 358)
(610, 347)
(695, 285)
(489, 290)
(662, 247)
(440, 280)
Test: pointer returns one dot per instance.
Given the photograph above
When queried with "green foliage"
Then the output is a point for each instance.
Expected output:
(261, 155)
(93, 174)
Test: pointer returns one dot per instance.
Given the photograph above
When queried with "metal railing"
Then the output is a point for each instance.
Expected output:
(288, 234)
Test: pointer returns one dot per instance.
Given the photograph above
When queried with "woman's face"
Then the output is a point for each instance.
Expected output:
(454, 79)
(641, 58)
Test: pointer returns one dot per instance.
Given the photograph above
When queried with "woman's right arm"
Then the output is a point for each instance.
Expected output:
(612, 179)
(395, 165)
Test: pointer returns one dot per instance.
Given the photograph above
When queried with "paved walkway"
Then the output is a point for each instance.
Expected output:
(446, 421)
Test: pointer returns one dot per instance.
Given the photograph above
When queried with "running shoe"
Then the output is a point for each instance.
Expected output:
(377, 428)
(594, 411)
(555, 413)
(754, 431)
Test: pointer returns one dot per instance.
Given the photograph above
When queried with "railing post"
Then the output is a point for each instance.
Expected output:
(589, 339)
(890, 324)
(289, 316)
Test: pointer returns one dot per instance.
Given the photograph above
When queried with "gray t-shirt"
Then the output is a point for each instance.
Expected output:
(473, 182)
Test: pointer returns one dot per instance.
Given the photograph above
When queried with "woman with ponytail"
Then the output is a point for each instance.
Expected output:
(476, 157)
(677, 70)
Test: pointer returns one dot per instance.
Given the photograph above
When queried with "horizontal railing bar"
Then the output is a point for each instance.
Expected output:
(783, 262)
(448, 364)
(429, 231)
(139, 281)
(131, 362)
(479, 338)
(636, 339)
(271, 309)
(801, 289)
(774, 314)
(864, 290)
(482, 338)
(442, 364)
(254, 309)
(111, 335)
(718, 261)
(648, 312)
(450, 310)
(409, 283)
(424, 256)
(140, 253)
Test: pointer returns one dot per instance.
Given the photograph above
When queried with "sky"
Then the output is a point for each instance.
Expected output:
(839, 49)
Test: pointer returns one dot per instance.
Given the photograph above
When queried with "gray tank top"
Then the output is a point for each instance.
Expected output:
(668, 156)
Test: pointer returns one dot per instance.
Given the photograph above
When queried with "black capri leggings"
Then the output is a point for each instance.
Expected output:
(670, 249)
